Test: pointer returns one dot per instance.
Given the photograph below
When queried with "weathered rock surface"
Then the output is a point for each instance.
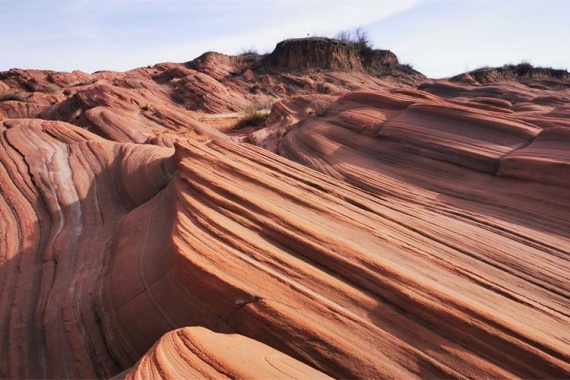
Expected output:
(195, 352)
(324, 53)
(521, 71)
(546, 159)
(400, 231)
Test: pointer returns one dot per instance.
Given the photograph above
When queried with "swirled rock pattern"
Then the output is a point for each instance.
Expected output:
(196, 352)
(385, 230)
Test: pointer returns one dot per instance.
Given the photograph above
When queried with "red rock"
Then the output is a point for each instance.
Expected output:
(302, 53)
(401, 231)
(195, 352)
(546, 159)
(215, 65)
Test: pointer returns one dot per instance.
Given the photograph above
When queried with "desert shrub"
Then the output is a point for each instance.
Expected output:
(558, 73)
(521, 69)
(524, 68)
(362, 41)
(406, 67)
(358, 38)
(246, 59)
(47, 89)
(5, 96)
(249, 51)
(344, 36)
(253, 116)
(481, 68)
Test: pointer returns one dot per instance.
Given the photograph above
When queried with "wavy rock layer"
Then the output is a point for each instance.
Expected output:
(240, 240)
(399, 233)
(63, 193)
(191, 99)
(409, 280)
(195, 352)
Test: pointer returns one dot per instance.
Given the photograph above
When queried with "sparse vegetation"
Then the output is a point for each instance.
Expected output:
(247, 59)
(249, 51)
(481, 68)
(6, 96)
(253, 116)
(358, 38)
(523, 69)
(376, 62)
(406, 67)
(47, 89)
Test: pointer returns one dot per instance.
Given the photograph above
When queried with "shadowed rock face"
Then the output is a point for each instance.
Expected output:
(380, 230)
(331, 54)
(324, 53)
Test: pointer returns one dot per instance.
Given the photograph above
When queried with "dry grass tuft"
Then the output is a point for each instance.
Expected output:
(252, 117)
(47, 89)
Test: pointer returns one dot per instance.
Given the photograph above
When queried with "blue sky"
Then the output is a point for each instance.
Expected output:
(439, 38)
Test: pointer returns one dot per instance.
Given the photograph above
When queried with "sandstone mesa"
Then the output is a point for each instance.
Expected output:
(377, 224)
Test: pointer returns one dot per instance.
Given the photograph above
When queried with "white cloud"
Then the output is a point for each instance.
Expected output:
(439, 38)
(446, 38)
(313, 18)
(92, 35)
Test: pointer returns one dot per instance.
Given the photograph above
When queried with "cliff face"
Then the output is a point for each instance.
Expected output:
(380, 62)
(324, 53)
(334, 55)
(520, 72)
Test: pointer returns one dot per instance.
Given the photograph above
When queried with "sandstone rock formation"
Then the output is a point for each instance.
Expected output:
(385, 228)
(303, 53)
(523, 70)
(195, 352)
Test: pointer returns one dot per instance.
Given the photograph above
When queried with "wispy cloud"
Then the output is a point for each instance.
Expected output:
(122, 34)
(439, 37)
(443, 38)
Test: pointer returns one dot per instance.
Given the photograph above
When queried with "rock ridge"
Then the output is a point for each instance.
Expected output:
(370, 227)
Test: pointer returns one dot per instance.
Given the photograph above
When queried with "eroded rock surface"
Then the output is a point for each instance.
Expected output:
(195, 352)
(302, 53)
(380, 229)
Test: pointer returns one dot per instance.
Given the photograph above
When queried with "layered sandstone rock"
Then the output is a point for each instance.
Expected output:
(546, 159)
(195, 352)
(398, 232)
